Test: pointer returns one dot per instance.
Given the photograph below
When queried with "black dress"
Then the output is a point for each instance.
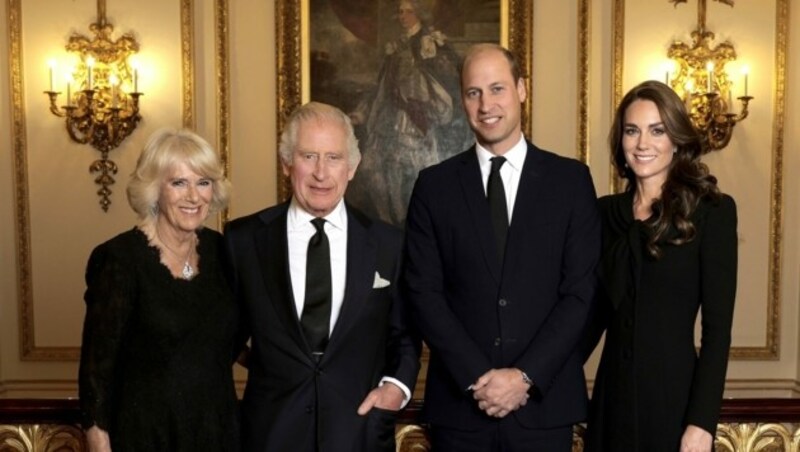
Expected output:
(651, 382)
(156, 358)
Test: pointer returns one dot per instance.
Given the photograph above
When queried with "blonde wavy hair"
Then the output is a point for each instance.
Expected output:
(164, 149)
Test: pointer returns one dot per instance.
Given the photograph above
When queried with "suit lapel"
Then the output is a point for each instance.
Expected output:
(273, 255)
(527, 204)
(469, 175)
(361, 267)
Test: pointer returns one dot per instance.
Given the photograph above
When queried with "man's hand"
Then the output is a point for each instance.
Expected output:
(500, 391)
(386, 397)
(97, 440)
(695, 439)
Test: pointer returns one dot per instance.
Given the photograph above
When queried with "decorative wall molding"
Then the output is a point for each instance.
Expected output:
(584, 66)
(223, 91)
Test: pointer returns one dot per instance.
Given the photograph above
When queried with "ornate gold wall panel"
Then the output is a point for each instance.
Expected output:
(29, 351)
(223, 91)
(41, 438)
(584, 44)
(770, 350)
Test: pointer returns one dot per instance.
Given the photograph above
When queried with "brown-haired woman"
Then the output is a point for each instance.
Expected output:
(669, 251)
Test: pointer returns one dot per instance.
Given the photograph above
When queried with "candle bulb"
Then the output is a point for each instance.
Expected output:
(688, 89)
(135, 80)
(710, 78)
(114, 81)
(52, 65)
(89, 67)
(745, 71)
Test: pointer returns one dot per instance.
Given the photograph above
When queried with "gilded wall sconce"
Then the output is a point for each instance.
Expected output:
(706, 88)
(102, 101)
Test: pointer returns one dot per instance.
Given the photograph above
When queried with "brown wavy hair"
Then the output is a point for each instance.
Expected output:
(688, 180)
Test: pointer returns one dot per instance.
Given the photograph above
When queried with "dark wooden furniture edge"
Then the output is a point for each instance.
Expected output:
(42, 411)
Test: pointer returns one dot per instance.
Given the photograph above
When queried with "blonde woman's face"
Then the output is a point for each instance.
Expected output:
(184, 199)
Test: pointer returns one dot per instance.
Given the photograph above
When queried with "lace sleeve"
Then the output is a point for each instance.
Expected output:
(109, 299)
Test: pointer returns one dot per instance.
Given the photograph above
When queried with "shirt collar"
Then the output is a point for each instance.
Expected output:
(514, 156)
(299, 218)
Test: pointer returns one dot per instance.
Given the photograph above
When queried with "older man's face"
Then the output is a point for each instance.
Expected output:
(320, 169)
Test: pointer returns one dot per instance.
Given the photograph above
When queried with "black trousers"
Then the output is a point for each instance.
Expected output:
(506, 435)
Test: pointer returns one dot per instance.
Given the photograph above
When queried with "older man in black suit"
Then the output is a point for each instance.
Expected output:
(332, 360)
(502, 241)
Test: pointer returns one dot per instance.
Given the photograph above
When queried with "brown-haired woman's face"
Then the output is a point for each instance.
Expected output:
(647, 147)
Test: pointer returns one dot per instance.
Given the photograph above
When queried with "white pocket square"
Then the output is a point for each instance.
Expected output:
(379, 282)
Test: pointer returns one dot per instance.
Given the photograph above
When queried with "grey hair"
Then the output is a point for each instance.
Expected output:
(319, 112)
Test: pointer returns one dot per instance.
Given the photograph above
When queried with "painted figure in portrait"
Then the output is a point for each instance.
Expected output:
(395, 68)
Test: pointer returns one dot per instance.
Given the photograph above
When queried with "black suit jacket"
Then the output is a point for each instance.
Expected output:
(528, 312)
(285, 385)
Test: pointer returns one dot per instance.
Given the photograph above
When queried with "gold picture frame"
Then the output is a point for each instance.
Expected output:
(294, 29)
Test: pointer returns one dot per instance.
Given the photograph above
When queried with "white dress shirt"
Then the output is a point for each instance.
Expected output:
(510, 171)
(299, 232)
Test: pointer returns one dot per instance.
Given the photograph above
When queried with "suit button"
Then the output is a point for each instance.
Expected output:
(627, 354)
(497, 341)
(502, 302)
(309, 409)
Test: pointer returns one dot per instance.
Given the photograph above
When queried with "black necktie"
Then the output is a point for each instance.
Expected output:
(496, 195)
(317, 308)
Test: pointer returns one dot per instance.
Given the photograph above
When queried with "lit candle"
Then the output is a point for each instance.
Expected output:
(89, 67)
(730, 100)
(52, 65)
(710, 78)
(135, 64)
(68, 77)
(688, 88)
(669, 66)
(114, 81)
(745, 70)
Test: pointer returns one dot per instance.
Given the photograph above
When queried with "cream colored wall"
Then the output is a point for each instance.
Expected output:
(65, 221)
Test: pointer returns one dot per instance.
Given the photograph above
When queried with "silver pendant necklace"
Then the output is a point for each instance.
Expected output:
(188, 271)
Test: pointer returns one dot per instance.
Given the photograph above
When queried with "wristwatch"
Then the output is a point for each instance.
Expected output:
(526, 378)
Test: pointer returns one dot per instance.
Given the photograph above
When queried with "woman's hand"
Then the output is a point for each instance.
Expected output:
(97, 440)
(695, 439)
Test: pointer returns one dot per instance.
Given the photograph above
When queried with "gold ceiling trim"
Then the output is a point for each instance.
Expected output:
(771, 349)
(29, 351)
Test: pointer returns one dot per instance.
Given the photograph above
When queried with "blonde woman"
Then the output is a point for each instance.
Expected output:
(155, 371)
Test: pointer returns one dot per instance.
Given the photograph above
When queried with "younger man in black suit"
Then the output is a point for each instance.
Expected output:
(502, 241)
(332, 360)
